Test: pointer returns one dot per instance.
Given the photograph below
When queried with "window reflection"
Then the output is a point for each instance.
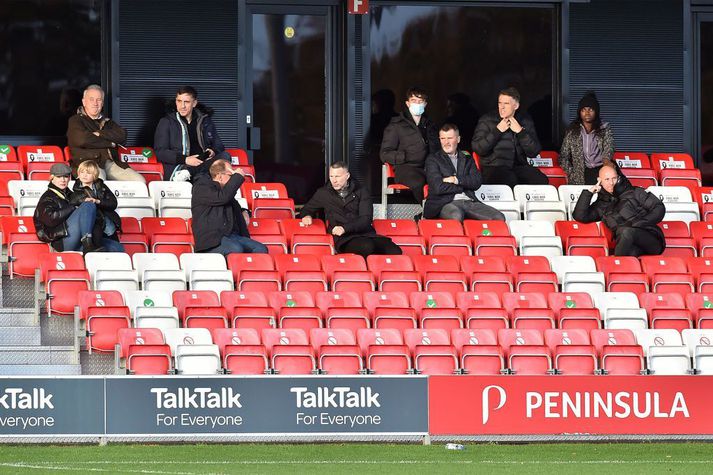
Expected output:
(289, 100)
(706, 94)
(462, 56)
(51, 50)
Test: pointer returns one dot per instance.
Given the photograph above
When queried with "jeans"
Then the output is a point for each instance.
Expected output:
(81, 223)
(241, 244)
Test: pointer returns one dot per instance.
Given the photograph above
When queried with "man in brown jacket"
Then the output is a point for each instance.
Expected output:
(92, 136)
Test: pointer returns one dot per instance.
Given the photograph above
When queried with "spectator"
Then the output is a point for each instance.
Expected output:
(408, 139)
(219, 223)
(630, 213)
(504, 139)
(89, 187)
(452, 181)
(92, 136)
(348, 210)
(65, 226)
(587, 144)
(186, 140)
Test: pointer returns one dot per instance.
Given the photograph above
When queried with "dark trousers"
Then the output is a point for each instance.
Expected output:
(636, 242)
(520, 175)
(412, 176)
(591, 175)
(368, 245)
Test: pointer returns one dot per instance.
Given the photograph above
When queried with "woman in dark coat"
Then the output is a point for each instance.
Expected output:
(630, 212)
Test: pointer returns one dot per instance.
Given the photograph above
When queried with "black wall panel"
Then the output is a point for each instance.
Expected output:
(631, 53)
(163, 44)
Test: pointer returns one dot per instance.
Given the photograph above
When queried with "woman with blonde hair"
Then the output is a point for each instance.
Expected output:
(90, 188)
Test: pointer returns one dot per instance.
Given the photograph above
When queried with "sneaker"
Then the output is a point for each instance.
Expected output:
(181, 175)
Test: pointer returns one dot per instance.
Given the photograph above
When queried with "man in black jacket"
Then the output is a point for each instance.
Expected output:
(408, 140)
(631, 213)
(218, 222)
(348, 210)
(504, 139)
(452, 181)
(186, 140)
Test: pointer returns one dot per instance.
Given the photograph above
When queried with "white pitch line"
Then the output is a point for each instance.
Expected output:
(74, 468)
(369, 462)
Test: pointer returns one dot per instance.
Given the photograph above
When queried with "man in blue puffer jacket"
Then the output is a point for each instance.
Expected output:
(186, 140)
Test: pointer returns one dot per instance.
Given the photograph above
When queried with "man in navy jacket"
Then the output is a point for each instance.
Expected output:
(452, 180)
(186, 138)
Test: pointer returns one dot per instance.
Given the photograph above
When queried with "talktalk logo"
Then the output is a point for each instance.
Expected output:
(502, 398)
(18, 398)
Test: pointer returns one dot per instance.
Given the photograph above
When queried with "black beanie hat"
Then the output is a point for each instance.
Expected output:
(589, 100)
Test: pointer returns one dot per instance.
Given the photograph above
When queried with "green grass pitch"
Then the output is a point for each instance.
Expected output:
(583, 458)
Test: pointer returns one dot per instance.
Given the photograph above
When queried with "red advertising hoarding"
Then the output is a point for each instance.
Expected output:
(478, 405)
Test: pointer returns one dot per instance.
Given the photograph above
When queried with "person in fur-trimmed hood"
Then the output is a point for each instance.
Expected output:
(186, 140)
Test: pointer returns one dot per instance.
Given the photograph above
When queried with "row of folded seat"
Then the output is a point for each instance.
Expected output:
(414, 351)
(103, 313)
(349, 272)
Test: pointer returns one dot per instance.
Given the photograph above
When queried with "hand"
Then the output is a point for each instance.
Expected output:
(211, 153)
(89, 199)
(337, 230)
(596, 187)
(503, 125)
(450, 179)
(307, 220)
(193, 160)
(239, 171)
(514, 125)
(246, 217)
(96, 132)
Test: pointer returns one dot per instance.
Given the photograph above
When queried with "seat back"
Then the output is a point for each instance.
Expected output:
(137, 155)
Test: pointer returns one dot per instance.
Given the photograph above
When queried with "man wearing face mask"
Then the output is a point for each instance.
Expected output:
(504, 139)
(408, 140)
(631, 213)
(348, 210)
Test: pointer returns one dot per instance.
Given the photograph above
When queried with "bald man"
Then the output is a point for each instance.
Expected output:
(630, 212)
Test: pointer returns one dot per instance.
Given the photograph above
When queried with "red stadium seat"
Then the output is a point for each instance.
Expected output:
(254, 272)
(300, 298)
(348, 272)
(337, 351)
(289, 350)
(151, 360)
(525, 351)
(303, 272)
(384, 351)
(479, 351)
(39, 153)
(623, 274)
(238, 156)
(291, 227)
(230, 299)
(513, 300)
(618, 352)
(678, 161)
(396, 227)
(702, 270)
(103, 324)
(193, 298)
(251, 191)
(466, 300)
(273, 208)
(209, 317)
(23, 252)
(171, 225)
(701, 307)
(643, 177)
(98, 298)
(264, 226)
(410, 245)
(432, 352)
(312, 244)
(572, 351)
(305, 318)
(632, 160)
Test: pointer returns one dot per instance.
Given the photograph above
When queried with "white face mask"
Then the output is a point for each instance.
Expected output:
(417, 109)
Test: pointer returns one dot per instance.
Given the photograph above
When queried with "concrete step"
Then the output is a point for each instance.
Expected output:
(20, 336)
(17, 317)
(39, 370)
(41, 355)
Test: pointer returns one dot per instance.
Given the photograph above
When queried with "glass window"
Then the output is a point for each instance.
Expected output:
(462, 56)
(51, 50)
(706, 92)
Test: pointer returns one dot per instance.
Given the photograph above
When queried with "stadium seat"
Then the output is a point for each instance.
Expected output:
(432, 352)
(207, 271)
(337, 351)
(146, 298)
(678, 202)
(701, 307)
(623, 274)
(254, 272)
(384, 351)
(238, 156)
(290, 351)
(573, 353)
(479, 351)
(569, 195)
(441, 273)
(618, 351)
(348, 272)
(23, 252)
(209, 317)
(525, 351)
(700, 350)
(171, 198)
(303, 272)
(501, 198)
(664, 351)
(668, 274)
(128, 337)
(396, 227)
(159, 271)
(147, 359)
(445, 236)
(182, 299)
(26, 194)
(63, 274)
(540, 202)
(29, 154)
(578, 274)
(102, 324)
(242, 351)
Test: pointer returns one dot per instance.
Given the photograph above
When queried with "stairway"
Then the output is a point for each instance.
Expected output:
(28, 345)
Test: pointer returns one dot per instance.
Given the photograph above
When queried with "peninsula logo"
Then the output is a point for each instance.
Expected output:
(502, 399)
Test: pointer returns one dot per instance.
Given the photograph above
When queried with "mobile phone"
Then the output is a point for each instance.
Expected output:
(204, 155)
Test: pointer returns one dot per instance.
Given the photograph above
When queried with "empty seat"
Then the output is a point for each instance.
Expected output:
(159, 272)
(337, 351)
(289, 350)
(242, 350)
(572, 351)
(254, 272)
(501, 198)
(540, 202)
(171, 198)
(479, 351)
(619, 352)
(102, 324)
(207, 271)
(700, 349)
(384, 351)
(432, 352)
(578, 274)
(348, 272)
(664, 351)
(183, 299)
(525, 351)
